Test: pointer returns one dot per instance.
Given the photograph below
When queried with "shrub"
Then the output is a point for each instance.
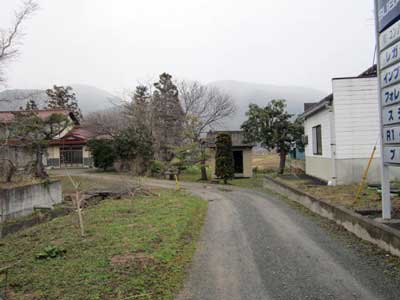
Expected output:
(103, 153)
(157, 168)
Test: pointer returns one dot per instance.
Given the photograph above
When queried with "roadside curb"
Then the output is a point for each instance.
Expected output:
(369, 230)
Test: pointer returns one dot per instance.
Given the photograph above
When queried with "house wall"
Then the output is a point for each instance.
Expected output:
(53, 156)
(248, 163)
(319, 166)
(87, 157)
(357, 130)
(356, 117)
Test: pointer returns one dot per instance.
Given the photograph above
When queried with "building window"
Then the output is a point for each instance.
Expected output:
(317, 140)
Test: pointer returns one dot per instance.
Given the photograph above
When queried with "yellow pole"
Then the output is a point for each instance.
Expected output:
(364, 178)
(177, 188)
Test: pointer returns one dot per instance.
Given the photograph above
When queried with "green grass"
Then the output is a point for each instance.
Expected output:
(255, 182)
(193, 174)
(133, 250)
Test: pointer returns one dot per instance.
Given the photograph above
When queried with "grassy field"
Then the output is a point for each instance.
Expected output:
(87, 183)
(193, 174)
(133, 250)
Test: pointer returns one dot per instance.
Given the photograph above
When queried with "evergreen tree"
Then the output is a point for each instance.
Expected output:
(103, 153)
(61, 97)
(139, 109)
(224, 163)
(273, 128)
(134, 147)
(168, 118)
(34, 133)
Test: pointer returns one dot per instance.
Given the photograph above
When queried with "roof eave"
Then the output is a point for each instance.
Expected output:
(315, 110)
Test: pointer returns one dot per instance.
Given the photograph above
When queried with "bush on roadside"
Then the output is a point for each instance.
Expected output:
(157, 168)
(103, 153)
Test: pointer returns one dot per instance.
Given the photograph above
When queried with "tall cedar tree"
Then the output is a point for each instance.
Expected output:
(63, 98)
(272, 127)
(168, 118)
(224, 163)
(139, 109)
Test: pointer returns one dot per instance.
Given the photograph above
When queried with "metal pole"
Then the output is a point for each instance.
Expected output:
(385, 176)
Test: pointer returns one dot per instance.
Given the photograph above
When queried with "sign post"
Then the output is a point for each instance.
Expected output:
(387, 23)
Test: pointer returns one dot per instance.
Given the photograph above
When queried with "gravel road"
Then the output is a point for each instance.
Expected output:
(254, 246)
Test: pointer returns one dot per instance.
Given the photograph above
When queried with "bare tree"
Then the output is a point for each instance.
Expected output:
(11, 38)
(108, 123)
(205, 108)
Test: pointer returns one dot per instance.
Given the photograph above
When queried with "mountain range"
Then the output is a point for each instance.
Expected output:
(245, 93)
(91, 99)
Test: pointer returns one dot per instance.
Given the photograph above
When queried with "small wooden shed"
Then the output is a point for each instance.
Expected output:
(242, 153)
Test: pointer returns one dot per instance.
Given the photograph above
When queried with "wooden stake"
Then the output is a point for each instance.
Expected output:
(364, 178)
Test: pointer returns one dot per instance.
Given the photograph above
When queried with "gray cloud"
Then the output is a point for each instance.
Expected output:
(113, 44)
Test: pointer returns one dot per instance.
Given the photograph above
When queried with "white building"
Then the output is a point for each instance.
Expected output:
(342, 129)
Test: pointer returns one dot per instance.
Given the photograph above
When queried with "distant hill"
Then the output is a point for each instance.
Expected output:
(245, 93)
(90, 98)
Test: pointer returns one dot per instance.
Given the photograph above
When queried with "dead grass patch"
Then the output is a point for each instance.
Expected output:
(266, 162)
(140, 260)
(343, 195)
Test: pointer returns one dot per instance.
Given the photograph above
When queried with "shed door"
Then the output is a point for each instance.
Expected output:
(238, 161)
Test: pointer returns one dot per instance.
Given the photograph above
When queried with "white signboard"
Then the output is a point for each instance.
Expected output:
(391, 135)
(387, 22)
(391, 95)
(392, 155)
(390, 75)
(391, 115)
(390, 36)
(390, 56)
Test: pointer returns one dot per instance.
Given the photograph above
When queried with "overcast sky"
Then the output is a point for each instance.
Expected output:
(112, 44)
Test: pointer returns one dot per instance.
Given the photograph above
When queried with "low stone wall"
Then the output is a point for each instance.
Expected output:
(379, 234)
(21, 201)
